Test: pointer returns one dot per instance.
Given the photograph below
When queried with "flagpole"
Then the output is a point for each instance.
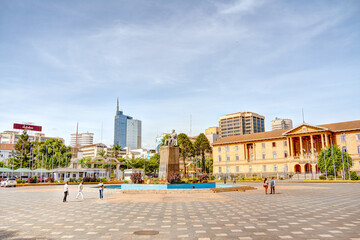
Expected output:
(332, 153)
(325, 163)
(347, 157)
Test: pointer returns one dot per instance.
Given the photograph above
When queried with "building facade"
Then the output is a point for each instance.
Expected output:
(12, 137)
(127, 131)
(93, 150)
(280, 123)
(212, 134)
(133, 134)
(81, 139)
(241, 123)
(284, 152)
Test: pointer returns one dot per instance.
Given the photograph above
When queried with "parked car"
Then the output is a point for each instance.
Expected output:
(8, 182)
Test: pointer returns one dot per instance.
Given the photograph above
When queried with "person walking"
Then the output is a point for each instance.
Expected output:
(80, 188)
(101, 189)
(266, 185)
(272, 185)
(66, 191)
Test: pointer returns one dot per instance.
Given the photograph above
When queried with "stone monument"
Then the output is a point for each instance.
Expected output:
(169, 156)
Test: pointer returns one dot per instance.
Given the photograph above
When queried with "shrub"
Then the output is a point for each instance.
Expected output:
(322, 177)
(174, 178)
(50, 179)
(103, 180)
(354, 176)
(203, 178)
(32, 180)
(126, 181)
(80, 179)
(212, 177)
(331, 177)
(184, 180)
(86, 179)
(136, 178)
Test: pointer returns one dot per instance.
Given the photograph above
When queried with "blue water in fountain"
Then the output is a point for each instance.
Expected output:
(170, 186)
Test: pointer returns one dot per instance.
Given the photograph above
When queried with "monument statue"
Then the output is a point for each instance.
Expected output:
(172, 140)
(169, 156)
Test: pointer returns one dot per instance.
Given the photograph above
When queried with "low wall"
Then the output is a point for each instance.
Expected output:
(168, 186)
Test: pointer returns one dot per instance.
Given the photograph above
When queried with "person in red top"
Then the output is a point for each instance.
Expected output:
(266, 185)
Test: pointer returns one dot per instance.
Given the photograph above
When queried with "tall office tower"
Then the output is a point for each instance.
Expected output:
(280, 123)
(241, 123)
(81, 139)
(127, 131)
(133, 134)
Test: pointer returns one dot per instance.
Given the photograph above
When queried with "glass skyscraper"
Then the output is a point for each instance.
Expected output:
(127, 131)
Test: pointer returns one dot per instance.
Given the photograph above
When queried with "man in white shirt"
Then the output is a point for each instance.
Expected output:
(272, 186)
(80, 188)
(101, 189)
(66, 191)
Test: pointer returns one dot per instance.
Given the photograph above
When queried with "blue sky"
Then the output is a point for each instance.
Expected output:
(63, 62)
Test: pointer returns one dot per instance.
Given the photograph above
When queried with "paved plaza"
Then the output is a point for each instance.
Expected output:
(297, 211)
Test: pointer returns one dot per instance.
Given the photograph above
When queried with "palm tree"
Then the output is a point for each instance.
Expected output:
(116, 149)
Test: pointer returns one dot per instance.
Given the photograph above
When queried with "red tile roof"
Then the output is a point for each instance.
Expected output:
(277, 134)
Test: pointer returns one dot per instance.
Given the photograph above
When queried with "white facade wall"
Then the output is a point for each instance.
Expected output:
(82, 139)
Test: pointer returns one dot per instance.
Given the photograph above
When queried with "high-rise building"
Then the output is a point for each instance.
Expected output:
(81, 139)
(241, 123)
(133, 134)
(127, 131)
(280, 123)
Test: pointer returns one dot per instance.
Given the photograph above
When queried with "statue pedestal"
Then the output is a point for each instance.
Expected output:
(169, 161)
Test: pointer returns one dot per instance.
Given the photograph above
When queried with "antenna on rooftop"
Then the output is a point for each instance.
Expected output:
(303, 115)
(76, 138)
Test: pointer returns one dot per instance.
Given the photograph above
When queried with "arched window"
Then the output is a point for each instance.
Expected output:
(285, 154)
(274, 155)
(359, 149)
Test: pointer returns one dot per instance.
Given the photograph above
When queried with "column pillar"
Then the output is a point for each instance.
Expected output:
(322, 141)
(312, 147)
(301, 148)
(326, 140)
(292, 147)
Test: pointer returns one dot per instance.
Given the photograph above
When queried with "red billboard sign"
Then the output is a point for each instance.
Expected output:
(27, 127)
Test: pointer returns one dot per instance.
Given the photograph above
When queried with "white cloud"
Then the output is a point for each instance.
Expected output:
(241, 6)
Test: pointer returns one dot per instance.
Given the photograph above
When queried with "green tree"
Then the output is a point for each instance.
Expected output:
(116, 149)
(186, 148)
(209, 165)
(202, 145)
(337, 159)
(152, 164)
(22, 148)
(102, 153)
(49, 154)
